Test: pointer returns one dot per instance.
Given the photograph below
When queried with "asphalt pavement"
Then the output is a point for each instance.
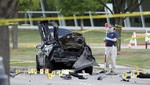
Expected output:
(42, 79)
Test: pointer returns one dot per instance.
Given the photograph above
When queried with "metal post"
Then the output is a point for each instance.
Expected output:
(127, 20)
(60, 24)
(91, 19)
(107, 19)
(25, 16)
(142, 18)
(43, 9)
(75, 20)
(30, 16)
(146, 45)
(62, 21)
(107, 11)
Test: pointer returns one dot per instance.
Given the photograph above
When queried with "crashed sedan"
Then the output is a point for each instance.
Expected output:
(63, 49)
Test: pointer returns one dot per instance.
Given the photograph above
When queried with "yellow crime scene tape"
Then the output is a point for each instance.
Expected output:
(11, 21)
(138, 37)
(89, 30)
(6, 21)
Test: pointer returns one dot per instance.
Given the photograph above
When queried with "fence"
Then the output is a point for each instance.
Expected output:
(135, 36)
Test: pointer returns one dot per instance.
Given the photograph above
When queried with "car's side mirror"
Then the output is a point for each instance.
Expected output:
(39, 46)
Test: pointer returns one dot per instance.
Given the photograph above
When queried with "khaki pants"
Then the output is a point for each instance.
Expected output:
(111, 53)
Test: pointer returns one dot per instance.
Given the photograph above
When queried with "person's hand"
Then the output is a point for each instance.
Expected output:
(106, 38)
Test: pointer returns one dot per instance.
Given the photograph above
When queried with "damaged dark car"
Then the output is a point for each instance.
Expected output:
(63, 49)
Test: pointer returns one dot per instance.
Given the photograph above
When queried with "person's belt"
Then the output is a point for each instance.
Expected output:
(110, 45)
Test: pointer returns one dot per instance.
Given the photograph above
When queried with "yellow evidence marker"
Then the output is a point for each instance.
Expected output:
(53, 73)
(46, 71)
(49, 76)
(41, 71)
(18, 71)
(124, 75)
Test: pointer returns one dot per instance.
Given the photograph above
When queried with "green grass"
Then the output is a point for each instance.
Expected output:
(28, 36)
(23, 54)
(127, 57)
(28, 39)
(136, 57)
(24, 64)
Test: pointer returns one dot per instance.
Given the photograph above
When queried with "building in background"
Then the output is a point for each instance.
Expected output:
(139, 21)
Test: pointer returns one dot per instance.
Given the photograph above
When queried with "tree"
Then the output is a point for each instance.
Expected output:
(6, 10)
(76, 7)
(23, 5)
(50, 4)
(119, 7)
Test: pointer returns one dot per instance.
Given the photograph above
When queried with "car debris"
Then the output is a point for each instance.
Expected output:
(66, 77)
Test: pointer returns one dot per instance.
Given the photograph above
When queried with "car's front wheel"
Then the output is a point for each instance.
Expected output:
(49, 64)
(37, 64)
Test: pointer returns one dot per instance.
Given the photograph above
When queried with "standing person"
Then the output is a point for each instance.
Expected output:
(111, 49)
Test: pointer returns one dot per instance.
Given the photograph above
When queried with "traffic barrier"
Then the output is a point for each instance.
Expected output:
(135, 36)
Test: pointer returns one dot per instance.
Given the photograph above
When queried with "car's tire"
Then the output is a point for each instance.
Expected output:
(49, 64)
(89, 70)
(37, 64)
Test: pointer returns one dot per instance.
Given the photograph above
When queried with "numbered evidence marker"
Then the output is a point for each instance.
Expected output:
(60, 73)
(18, 71)
(29, 71)
(137, 73)
(46, 71)
(132, 75)
(32, 71)
(124, 75)
(41, 71)
(143, 71)
(49, 76)
(137, 68)
(53, 73)
(25, 72)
